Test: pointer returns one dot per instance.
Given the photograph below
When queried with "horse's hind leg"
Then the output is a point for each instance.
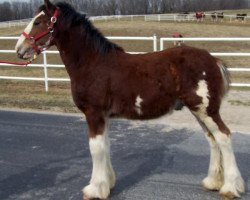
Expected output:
(233, 182)
(103, 176)
(206, 108)
(215, 177)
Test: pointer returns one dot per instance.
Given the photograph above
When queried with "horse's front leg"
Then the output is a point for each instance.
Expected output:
(103, 176)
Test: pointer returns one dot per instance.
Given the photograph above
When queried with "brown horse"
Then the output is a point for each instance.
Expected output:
(200, 16)
(107, 82)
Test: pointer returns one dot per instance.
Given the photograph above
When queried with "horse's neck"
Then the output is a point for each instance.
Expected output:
(74, 50)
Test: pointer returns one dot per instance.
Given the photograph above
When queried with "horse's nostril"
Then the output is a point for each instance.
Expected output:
(19, 55)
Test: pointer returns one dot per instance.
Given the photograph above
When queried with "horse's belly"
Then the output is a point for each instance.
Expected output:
(144, 108)
(155, 109)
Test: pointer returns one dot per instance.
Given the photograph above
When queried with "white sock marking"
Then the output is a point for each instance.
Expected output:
(233, 181)
(103, 176)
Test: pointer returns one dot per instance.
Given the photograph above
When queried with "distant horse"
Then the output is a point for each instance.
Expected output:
(107, 82)
(220, 16)
(200, 16)
(214, 16)
(178, 42)
(241, 17)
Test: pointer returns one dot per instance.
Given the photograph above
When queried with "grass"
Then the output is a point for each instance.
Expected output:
(239, 103)
(31, 95)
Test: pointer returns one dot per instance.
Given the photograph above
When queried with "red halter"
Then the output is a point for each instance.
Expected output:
(34, 39)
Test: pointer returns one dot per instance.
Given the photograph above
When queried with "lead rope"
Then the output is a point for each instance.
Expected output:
(20, 64)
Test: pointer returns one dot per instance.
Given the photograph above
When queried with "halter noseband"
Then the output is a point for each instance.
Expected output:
(34, 39)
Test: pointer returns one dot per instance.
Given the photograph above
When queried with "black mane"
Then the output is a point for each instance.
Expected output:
(71, 18)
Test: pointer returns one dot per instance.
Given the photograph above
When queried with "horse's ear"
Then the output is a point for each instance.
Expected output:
(49, 6)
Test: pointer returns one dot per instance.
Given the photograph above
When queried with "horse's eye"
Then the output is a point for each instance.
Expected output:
(37, 23)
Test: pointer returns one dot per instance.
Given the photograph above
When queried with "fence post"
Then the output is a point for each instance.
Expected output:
(45, 71)
(155, 42)
(161, 44)
(159, 18)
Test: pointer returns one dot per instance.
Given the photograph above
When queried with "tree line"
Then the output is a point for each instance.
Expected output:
(15, 10)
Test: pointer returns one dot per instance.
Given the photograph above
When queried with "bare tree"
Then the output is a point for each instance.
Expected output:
(19, 10)
(6, 12)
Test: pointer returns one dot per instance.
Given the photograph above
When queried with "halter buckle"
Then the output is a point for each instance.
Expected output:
(32, 40)
(53, 19)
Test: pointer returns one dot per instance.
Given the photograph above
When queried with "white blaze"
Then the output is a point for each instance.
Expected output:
(27, 30)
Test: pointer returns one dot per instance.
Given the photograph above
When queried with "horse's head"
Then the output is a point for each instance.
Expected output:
(38, 35)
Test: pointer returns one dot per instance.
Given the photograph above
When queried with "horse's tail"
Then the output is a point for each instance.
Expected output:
(225, 76)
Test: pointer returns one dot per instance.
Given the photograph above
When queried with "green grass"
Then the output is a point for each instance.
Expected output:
(31, 95)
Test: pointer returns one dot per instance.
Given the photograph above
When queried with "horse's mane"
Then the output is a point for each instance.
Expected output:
(70, 17)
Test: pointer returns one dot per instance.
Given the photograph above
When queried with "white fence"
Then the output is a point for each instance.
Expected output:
(45, 65)
(220, 54)
(152, 17)
(186, 17)
(170, 17)
(24, 22)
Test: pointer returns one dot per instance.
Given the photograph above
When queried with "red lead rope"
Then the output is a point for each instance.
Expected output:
(33, 41)
(22, 64)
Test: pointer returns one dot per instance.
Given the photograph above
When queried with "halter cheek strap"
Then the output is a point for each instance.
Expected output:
(34, 39)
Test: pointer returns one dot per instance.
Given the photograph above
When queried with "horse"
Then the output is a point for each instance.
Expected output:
(106, 83)
(220, 16)
(241, 17)
(177, 42)
(214, 16)
(200, 16)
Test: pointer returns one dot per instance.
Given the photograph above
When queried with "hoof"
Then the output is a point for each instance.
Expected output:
(112, 180)
(86, 198)
(228, 196)
(96, 191)
(212, 184)
(233, 190)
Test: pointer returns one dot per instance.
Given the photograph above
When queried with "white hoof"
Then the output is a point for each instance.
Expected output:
(112, 179)
(100, 191)
(233, 189)
(212, 183)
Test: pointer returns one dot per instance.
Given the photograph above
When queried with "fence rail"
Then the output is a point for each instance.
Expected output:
(24, 22)
(149, 17)
(45, 65)
(186, 17)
